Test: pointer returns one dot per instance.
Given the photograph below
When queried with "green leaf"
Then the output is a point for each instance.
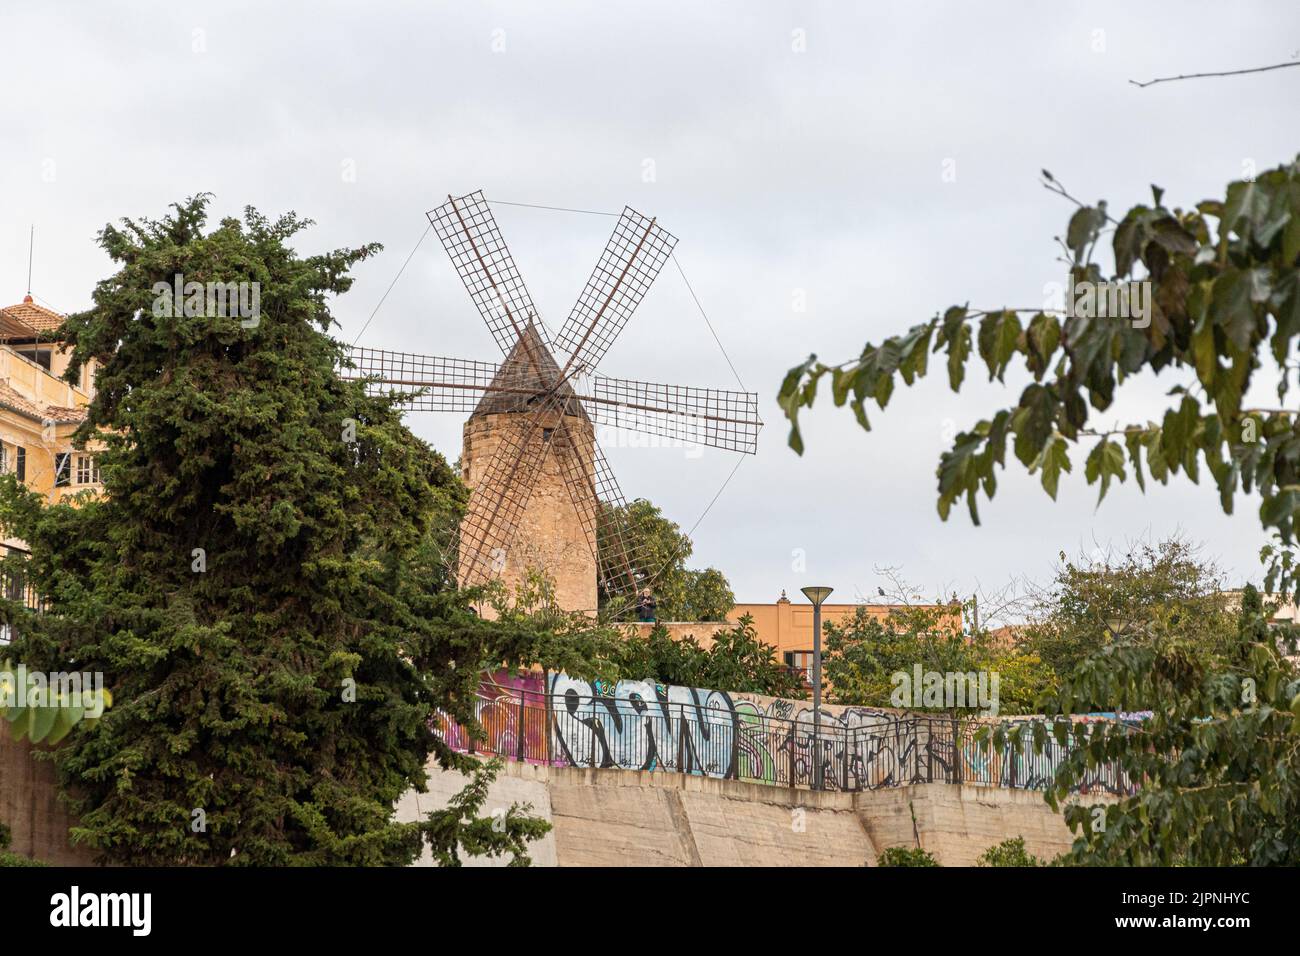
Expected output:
(999, 340)
(1042, 339)
(1133, 440)
(65, 720)
(1245, 209)
(1169, 232)
(793, 395)
(20, 721)
(1275, 510)
(1053, 460)
(842, 383)
(1033, 422)
(915, 351)
(1291, 242)
(1129, 239)
(959, 348)
(959, 471)
(1206, 355)
(1105, 461)
(1084, 226)
(43, 720)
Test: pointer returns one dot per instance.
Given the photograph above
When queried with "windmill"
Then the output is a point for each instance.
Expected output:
(542, 490)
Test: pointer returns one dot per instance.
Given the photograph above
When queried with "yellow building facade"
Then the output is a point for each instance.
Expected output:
(39, 411)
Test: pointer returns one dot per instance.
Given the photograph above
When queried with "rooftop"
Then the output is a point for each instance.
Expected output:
(524, 379)
(28, 315)
(26, 387)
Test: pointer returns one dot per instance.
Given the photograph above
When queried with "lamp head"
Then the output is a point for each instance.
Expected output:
(816, 595)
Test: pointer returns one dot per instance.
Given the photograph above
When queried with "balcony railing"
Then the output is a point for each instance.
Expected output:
(15, 586)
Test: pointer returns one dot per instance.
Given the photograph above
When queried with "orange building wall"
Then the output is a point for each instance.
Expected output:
(785, 625)
(788, 626)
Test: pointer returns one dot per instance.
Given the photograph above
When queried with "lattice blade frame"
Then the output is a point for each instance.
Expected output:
(620, 560)
(712, 417)
(436, 384)
(498, 502)
(479, 253)
(625, 558)
(633, 257)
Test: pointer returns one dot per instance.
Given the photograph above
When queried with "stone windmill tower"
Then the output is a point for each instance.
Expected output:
(559, 480)
(543, 495)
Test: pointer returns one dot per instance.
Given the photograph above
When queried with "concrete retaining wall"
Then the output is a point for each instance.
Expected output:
(956, 823)
(29, 804)
(643, 818)
(640, 818)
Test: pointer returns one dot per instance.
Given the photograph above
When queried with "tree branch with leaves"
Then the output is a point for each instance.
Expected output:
(1225, 300)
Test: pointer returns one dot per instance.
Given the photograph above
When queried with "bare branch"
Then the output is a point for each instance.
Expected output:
(1197, 76)
(1052, 184)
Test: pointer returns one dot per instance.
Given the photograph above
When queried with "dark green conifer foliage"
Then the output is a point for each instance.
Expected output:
(262, 584)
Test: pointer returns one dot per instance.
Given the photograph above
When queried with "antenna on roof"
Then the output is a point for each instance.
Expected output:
(31, 246)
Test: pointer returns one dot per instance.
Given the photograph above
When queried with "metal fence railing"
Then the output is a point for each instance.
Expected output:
(856, 750)
(15, 585)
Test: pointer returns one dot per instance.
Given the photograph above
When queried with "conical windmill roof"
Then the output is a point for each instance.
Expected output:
(531, 367)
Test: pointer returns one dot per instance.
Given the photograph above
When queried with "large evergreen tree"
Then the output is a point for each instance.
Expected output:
(262, 583)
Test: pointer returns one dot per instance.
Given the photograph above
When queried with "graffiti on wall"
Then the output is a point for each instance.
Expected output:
(1018, 765)
(510, 709)
(644, 725)
(641, 725)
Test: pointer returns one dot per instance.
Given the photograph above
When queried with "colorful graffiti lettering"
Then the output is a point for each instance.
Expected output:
(642, 725)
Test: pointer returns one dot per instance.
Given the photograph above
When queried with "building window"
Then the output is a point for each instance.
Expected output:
(20, 463)
(4, 459)
(40, 356)
(802, 662)
(87, 470)
(62, 469)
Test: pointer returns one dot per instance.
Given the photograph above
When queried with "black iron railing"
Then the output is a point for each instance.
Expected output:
(15, 585)
(850, 751)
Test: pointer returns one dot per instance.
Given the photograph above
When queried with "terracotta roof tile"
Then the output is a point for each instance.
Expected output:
(64, 415)
(34, 316)
(10, 398)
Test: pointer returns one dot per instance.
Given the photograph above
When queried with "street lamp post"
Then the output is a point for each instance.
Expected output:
(817, 595)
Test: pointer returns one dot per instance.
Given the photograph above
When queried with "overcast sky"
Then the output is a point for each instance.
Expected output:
(797, 150)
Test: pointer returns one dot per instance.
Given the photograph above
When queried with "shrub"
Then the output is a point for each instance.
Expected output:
(1008, 853)
(906, 856)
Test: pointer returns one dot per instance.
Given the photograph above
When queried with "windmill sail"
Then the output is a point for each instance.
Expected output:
(485, 265)
(530, 434)
(632, 258)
